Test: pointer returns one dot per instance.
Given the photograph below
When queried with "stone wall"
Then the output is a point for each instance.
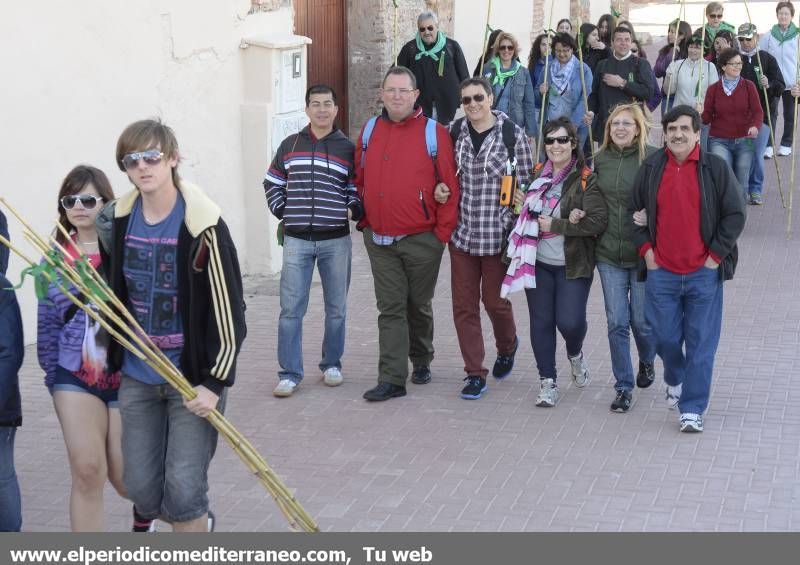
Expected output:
(370, 34)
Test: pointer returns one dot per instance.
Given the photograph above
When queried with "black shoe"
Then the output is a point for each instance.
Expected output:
(475, 387)
(623, 401)
(421, 375)
(505, 363)
(646, 376)
(384, 391)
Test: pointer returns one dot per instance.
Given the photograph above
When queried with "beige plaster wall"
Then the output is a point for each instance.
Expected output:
(76, 74)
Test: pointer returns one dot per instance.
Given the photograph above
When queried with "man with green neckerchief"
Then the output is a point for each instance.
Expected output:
(439, 66)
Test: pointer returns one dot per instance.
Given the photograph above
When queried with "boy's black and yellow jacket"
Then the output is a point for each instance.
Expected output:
(210, 297)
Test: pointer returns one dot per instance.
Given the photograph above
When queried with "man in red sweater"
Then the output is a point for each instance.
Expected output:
(694, 213)
(405, 229)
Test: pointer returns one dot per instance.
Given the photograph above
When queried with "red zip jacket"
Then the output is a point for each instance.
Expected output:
(397, 180)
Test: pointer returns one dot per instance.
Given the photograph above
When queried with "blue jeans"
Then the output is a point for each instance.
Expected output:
(556, 303)
(166, 451)
(685, 312)
(738, 153)
(333, 261)
(10, 502)
(624, 298)
(756, 182)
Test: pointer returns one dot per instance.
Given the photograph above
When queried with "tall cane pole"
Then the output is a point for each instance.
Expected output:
(583, 85)
(794, 152)
(702, 64)
(544, 97)
(769, 118)
(485, 37)
(681, 9)
(394, 36)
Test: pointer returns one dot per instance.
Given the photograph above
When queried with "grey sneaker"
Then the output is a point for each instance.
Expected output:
(285, 388)
(548, 393)
(673, 396)
(332, 376)
(580, 370)
(691, 423)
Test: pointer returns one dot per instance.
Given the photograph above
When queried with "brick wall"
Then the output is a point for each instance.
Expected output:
(370, 32)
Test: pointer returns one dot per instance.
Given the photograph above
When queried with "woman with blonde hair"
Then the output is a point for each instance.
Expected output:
(624, 147)
(511, 84)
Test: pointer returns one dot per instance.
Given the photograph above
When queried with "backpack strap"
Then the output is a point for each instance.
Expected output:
(455, 130)
(431, 144)
(510, 140)
(365, 135)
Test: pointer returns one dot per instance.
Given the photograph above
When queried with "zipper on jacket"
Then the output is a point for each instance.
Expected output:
(619, 209)
(424, 207)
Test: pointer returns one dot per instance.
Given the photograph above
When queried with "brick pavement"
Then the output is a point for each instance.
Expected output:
(432, 461)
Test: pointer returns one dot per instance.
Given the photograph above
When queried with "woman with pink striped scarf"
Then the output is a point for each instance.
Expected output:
(552, 254)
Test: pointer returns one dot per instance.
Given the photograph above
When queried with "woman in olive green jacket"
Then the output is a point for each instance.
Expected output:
(571, 214)
(623, 149)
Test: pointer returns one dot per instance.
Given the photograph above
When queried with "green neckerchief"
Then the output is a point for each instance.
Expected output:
(441, 40)
(711, 33)
(500, 76)
(783, 36)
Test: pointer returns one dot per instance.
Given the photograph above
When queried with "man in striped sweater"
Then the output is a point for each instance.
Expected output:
(309, 186)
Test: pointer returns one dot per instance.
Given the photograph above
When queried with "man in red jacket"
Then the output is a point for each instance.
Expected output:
(405, 229)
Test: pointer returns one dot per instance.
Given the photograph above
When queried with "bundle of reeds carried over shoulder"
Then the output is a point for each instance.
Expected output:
(106, 309)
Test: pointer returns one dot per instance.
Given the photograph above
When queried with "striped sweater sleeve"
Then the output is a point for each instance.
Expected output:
(275, 184)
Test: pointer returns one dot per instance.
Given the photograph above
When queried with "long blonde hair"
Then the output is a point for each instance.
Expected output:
(638, 117)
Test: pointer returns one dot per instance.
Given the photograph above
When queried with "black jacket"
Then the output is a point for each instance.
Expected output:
(722, 208)
(12, 350)
(210, 298)
(770, 69)
(444, 90)
(603, 98)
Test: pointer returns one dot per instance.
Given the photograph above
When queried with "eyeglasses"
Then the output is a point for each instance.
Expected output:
(478, 98)
(88, 201)
(739, 64)
(506, 48)
(745, 38)
(562, 140)
(423, 29)
(398, 91)
(715, 16)
(563, 51)
(151, 157)
(627, 124)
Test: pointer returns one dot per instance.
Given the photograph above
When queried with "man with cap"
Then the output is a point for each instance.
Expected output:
(765, 72)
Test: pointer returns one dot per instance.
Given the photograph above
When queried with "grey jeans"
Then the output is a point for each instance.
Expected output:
(166, 452)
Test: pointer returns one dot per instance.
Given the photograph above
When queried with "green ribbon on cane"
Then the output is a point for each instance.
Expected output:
(85, 271)
(40, 273)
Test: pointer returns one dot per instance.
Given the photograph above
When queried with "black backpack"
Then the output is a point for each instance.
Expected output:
(508, 131)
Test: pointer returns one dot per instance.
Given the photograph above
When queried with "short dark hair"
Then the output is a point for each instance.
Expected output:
(572, 132)
(726, 55)
(477, 81)
(785, 5)
(566, 40)
(621, 29)
(679, 111)
(400, 70)
(319, 89)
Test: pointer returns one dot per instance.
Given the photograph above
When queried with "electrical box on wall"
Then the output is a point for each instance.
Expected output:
(275, 78)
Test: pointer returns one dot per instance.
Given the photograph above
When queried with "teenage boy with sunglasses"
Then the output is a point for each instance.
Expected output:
(169, 257)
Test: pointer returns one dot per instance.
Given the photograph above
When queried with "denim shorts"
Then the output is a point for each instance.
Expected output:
(66, 380)
(166, 452)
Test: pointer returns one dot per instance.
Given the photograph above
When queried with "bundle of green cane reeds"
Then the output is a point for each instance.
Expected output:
(63, 270)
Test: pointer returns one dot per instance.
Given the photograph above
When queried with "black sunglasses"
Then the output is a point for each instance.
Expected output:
(428, 28)
(506, 48)
(88, 201)
(562, 140)
(466, 100)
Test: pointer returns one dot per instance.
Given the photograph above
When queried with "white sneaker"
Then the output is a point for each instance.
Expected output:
(580, 370)
(673, 396)
(332, 376)
(784, 151)
(691, 423)
(285, 388)
(769, 153)
(548, 393)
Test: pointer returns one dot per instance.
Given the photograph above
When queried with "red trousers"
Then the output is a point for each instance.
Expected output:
(472, 279)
